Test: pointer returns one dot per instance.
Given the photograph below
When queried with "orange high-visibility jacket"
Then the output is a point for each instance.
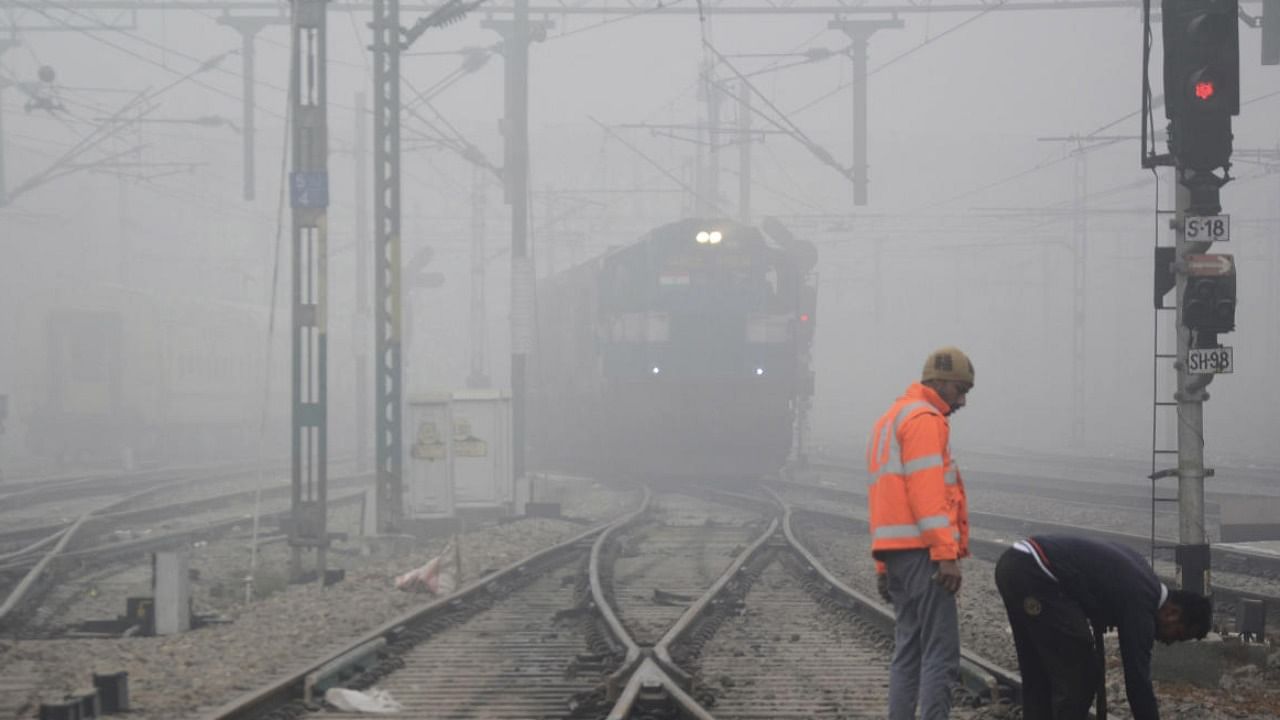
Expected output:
(916, 499)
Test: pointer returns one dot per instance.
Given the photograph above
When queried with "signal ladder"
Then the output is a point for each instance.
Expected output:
(1164, 335)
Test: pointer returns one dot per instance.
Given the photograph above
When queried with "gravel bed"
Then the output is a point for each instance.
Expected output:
(1246, 691)
(784, 653)
(982, 621)
(181, 676)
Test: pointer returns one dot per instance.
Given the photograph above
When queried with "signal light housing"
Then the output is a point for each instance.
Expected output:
(1209, 303)
(1201, 80)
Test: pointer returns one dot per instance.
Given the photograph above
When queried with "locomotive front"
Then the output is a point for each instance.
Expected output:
(705, 350)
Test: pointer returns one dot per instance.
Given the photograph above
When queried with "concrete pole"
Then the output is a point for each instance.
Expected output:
(1192, 551)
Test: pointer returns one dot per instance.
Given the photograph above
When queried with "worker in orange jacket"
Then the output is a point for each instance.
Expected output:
(919, 531)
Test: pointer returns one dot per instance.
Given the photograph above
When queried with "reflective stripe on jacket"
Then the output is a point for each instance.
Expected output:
(916, 498)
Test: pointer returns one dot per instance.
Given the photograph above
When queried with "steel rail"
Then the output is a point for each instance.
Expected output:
(19, 593)
(601, 600)
(979, 674)
(47, 538)
(662, 651)
(272, 7)
(1224, 558)
(649, 677)
(655, 671)
(115, 550)
(107, 514)
(991, 550)
(105, 483)
(293, 685)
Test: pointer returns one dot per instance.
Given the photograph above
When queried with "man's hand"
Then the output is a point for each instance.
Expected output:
(948, 575)
(882, 586)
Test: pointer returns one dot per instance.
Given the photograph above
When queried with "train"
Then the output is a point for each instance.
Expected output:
(118, 376)
(686, 353)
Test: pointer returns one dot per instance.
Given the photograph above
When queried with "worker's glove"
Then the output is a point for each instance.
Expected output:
(882, 586)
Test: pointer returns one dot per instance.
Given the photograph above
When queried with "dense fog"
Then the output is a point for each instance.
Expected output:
(136, 281)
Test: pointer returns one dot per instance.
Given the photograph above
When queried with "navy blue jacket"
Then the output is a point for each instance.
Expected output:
(1117, 589)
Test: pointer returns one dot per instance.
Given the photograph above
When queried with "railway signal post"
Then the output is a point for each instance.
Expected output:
(517, 33)
(309, 199)
(1202, 93)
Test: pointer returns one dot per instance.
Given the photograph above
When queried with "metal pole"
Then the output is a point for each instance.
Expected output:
(713, 135)
(249, 54)
(309, 199)
(4, 187)
(859, 32)
(1192, 551)
(516, 34)
(479, 376)
(248, 27)
(5, 44)
(1273, 293)
(1079, 290)
(744, 154)
(386, 104)
(522, 277)
(859, 55)
(360, 320)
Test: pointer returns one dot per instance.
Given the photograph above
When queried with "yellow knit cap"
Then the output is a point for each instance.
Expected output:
(948, 363)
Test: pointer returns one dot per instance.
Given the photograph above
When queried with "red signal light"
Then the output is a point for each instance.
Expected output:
(1204, 89)
(804, 317)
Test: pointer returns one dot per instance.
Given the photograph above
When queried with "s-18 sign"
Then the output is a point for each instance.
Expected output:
(1208, 228)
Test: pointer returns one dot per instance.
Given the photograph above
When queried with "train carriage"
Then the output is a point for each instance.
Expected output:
(117, 374)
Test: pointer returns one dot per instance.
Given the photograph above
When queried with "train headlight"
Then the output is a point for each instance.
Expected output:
(703, 237)
(715, 237)
(657, 370)
(759, 371)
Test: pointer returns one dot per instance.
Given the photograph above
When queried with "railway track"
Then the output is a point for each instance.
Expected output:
(98, 540)
(745, 623)
(1227, 558)
(1238, 576)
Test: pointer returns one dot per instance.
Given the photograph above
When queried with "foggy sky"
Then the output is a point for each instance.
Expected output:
(967, 239)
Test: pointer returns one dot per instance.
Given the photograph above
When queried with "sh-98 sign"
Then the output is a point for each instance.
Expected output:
(1210, 361)
(1208, 228)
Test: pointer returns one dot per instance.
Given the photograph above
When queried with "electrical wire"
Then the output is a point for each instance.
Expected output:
(202, 64)
(783, 122)
(621, 18)
(908, 52)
